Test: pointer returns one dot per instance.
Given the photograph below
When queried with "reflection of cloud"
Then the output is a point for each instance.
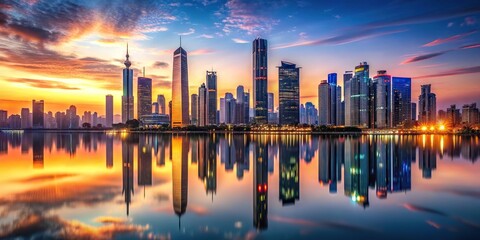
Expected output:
(198, 210)
(433, 224)
(452, 72)
(448, 39)
(111, 220)
(423, 57)
(40, 83)
(161, 197)
(46, 177)
(36, 225)
(416, 208)
(326, 224)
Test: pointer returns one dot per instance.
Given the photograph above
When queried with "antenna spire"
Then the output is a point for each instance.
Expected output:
(144, 71)
(180, 40)
(127, 61)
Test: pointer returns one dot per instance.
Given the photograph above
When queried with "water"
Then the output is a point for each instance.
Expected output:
(96, 185)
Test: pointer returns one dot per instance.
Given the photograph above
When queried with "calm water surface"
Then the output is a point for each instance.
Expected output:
(95, 185)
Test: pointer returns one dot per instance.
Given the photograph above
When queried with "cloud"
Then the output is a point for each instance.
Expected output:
(201, 52)
(238, 40)
(249, 16)
(205, 36)
(46, 177)
(38, 83)
(325, 224)
(343, 38)
(448, 39)
(159, 64)
(423, 57)
(111, 220)
(417, 208)
(161, 83)
(470, 21)
(475, 45)
(189, 32)
(452, 72)
(38, 225)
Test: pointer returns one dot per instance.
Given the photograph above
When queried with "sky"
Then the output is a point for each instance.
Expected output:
(72, 52)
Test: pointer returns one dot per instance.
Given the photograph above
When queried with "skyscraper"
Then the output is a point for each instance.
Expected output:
(383, 100)
(240, 107)
(427, 105)
(25, 116)
(289, 93)
(402, 86)
(359, 96)
(180, 103)
(203, 106)
(347, 77)
(230, 104)
(260, 81)
(324, 99)
(161, 104)
(194, 110)
(144, 94)
(414, 112)
(271, 102)
(221, 117)
(108, 110)
(37, 114)
(127, 98)
(311, 113)
(212, 97)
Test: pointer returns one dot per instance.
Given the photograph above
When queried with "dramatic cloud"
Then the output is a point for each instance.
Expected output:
(417, 208)
(249, 16)
(325, 224)
(423, 57)
(238, 40)
(159, 64)
(452, 72)
(449, 39)
(476, 45)
(38, 83)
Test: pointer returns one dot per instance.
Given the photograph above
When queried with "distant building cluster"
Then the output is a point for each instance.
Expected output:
(378, 102)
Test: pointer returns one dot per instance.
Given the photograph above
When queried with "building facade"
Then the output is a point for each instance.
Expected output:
(127, 97)
(212, 97)
(260, 81)
(180, 101)
(289, 93)
(144, 94)
(427, 105)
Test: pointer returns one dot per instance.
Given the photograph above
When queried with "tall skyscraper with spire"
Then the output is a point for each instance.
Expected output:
(260, 82)
(180, 102)
(127, 97)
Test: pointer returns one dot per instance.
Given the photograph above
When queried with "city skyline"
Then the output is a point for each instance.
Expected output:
(439, 47)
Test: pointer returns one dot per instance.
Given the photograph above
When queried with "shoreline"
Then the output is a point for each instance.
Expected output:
(275, 132)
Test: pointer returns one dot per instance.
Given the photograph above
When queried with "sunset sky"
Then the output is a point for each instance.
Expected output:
(72, 52)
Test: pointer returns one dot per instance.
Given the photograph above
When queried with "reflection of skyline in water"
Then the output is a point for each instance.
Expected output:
(378, 164)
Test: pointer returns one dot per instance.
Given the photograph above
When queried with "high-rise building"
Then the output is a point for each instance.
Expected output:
(72, 118)
(414, 112)
(246, 105)
(108, 110)
(180, 94)
(212, 97)
(221, 117)
(240, 107)
(427, 105)
(289, 93)
(402, 86)
(203, 105)
(127, 97)
(260, 81)
(271, 102)
(37, 114)
(144, 95)
(347, 77)
(453, 117)
(230, 104)
(161, 104)
(311, 114)
(194, 110)
(324, 99)
(25, 116)
(383, 100)
(470, 114)
(3, 119)
(360, 96)
(303, 114)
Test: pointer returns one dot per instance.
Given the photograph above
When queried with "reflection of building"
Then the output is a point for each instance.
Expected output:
(109, 151)
(127, 172)
(38, 144)
(179, 152)
(289, 168)
(427, 157)
(329, 163)
(260, 181)
(356, 170)
(207, 164)
(144, 163)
